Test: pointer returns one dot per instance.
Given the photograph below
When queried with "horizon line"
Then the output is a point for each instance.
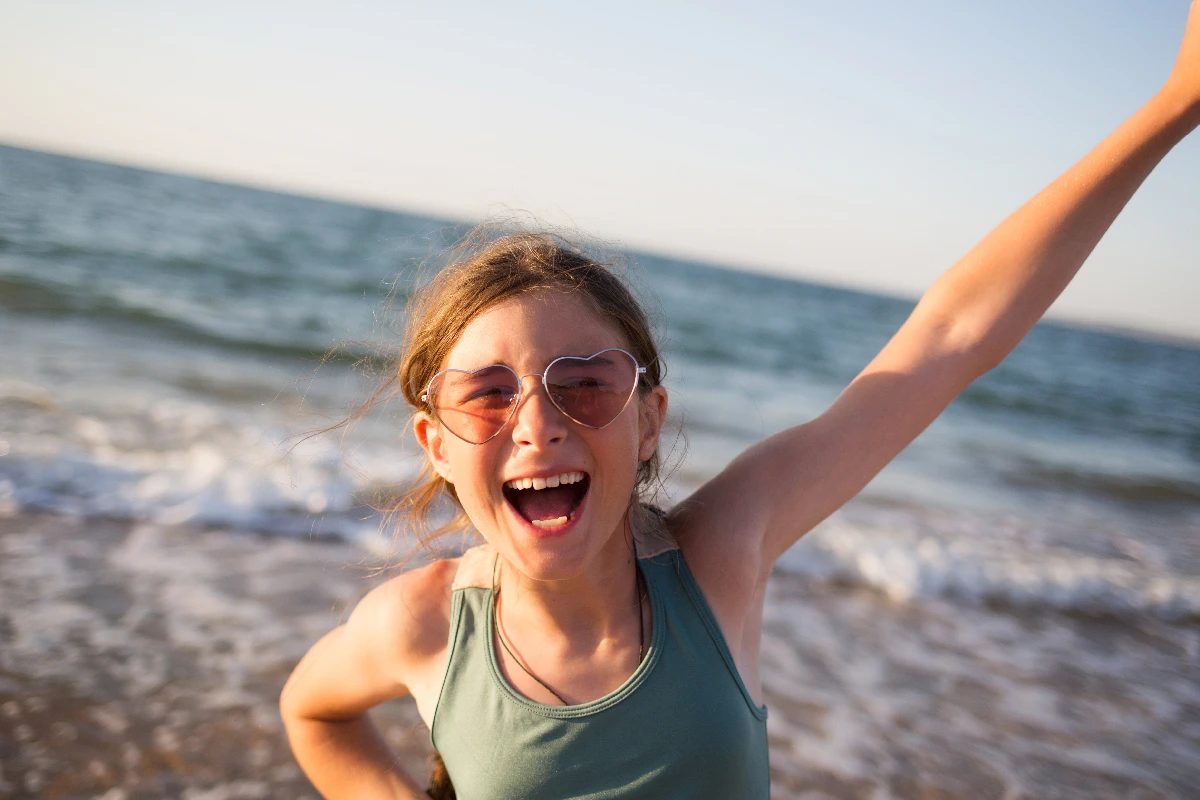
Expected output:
(1068, 319)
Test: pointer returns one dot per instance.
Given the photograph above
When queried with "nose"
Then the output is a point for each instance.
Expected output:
(537, 421)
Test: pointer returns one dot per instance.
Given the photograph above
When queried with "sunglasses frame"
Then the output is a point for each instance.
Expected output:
(638, 372)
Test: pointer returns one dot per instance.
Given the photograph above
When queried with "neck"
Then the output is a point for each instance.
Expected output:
(583, 610)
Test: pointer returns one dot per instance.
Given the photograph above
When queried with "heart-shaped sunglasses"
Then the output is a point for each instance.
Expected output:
(475, 405)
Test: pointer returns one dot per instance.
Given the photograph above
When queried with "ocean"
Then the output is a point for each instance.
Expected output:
(1009, 609)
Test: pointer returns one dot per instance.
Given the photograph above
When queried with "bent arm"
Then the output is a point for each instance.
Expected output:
(387, 644)
(333, 739)
(966, 323)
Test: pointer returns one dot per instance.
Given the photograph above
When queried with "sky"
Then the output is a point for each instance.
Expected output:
(861, 144)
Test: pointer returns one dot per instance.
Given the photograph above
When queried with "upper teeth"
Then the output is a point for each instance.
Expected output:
(542, 483)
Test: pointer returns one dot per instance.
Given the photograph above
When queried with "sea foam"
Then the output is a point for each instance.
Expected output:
(913, 555)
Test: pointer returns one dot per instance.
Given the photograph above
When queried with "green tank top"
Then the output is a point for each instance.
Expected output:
(682, 726)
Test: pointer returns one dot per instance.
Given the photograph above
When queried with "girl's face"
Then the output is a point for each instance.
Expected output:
(527, 333)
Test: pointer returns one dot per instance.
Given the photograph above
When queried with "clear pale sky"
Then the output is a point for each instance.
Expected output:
(867, 145)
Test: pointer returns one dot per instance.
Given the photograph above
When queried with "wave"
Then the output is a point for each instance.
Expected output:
(987, 568)
(254, 265)
(185, 462)
(176, 462)
(1136, 489)
(38, 298)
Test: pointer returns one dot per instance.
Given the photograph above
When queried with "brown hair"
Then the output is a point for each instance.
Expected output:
(483, 271)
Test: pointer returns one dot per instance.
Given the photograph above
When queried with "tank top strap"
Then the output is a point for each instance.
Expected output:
(476, 568)
(650, 535)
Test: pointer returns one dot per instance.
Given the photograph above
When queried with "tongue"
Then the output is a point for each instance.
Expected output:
(547, 503)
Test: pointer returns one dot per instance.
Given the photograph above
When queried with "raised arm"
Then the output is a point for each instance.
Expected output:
(967, 322)
(390, 647)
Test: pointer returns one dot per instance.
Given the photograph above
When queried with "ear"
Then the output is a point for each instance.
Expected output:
(652, 417)
(432, 439)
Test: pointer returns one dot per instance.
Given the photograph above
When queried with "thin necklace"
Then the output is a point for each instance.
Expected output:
(638, 593)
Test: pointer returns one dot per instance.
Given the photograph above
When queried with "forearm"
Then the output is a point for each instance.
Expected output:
(991, 298)
(349, 759)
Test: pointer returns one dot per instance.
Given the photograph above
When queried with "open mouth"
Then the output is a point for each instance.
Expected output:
(548, 502)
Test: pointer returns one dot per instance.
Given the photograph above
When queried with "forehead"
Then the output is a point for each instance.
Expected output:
(531, 330)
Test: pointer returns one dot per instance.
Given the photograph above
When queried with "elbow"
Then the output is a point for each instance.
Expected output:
(300, 728)
(960, 343)
(290, 706)
(989, 349)
(985, 357)
(287, 712)
(976, 337)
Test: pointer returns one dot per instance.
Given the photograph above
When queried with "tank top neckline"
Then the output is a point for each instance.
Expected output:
(631, 684)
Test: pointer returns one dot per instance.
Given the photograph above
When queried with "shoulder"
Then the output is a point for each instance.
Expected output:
(391, 645)
(408, 615)
(769, 486)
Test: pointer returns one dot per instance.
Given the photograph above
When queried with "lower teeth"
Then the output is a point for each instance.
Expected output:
(549, 523)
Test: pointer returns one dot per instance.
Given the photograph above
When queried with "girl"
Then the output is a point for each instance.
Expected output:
(594, 647)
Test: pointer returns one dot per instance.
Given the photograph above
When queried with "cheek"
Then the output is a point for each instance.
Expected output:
(620, 460)
(471, 476)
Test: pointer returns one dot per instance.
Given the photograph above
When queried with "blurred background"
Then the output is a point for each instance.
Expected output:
(205, 211)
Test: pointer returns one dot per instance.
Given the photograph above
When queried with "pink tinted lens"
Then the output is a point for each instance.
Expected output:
(475, 405)
(592, 391)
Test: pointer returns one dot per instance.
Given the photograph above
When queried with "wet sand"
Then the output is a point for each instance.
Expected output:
(138, 661)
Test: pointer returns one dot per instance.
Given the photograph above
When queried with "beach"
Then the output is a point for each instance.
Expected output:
(1009, 610)
(142, 661)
